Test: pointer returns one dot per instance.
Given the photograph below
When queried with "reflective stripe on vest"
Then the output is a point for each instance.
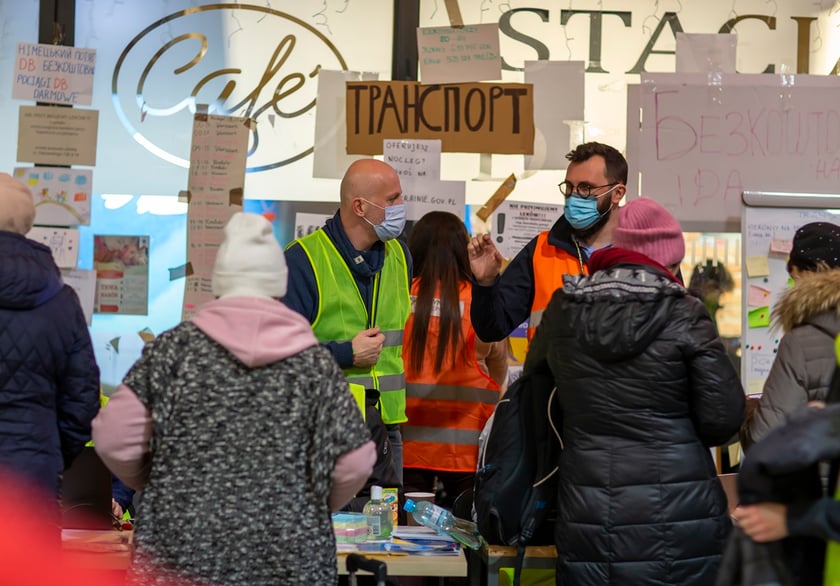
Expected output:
(451, 393)
(550, 264)
(465, 437)
(342, 314)
(448, 409)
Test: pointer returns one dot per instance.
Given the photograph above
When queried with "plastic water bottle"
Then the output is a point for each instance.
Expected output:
(379, 520)
(442, 521)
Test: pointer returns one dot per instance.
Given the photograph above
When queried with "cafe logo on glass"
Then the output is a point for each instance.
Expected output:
(239, 60)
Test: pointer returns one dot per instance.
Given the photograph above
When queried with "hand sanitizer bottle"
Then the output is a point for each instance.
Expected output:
(378, 513)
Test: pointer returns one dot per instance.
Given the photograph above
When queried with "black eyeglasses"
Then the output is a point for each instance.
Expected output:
(585, 190)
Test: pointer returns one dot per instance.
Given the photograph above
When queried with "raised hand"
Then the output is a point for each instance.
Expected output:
(485, 259)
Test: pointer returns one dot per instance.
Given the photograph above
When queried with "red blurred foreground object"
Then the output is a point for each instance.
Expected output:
(30, 542)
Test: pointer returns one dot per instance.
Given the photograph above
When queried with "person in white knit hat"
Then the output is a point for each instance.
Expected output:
(240, 414)
(49, 381)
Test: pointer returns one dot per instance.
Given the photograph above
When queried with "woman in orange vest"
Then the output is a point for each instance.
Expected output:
(453, 379)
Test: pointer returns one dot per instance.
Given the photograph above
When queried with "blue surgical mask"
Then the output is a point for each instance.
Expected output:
(581, 213)
(393, 224)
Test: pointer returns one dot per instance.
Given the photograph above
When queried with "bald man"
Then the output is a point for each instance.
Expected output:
(351, 280)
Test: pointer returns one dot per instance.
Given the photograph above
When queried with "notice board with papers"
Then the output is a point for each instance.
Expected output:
(766, 239)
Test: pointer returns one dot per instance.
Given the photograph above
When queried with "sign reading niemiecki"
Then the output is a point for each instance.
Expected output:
(54, 74)
(466, 117)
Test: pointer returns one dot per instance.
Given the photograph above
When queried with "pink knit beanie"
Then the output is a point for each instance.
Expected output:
(647, 227)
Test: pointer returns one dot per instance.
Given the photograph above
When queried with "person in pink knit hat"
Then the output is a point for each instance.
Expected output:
(645, 388)
(646, 227)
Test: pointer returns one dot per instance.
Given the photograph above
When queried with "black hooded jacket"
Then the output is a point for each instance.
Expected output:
(646, 388)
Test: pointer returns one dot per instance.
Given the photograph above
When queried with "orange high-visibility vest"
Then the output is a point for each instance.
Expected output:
(550, 263)
(446, 410)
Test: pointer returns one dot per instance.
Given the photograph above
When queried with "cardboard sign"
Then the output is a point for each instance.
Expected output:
(466, 117)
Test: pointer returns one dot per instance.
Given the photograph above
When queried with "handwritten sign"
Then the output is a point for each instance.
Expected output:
(61, 195)
(413, 160)
(467, 118)
(458, 55)
(217, 176)
(701, 146)
(54, 74)
(63, 243)
(57, 136)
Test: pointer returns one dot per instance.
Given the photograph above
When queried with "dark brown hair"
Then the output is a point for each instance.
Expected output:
(438, 246)
(614, 162)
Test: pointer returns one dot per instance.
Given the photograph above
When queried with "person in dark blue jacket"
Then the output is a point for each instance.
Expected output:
(49, 381)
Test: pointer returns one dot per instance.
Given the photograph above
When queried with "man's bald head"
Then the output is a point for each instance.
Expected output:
(365, 178)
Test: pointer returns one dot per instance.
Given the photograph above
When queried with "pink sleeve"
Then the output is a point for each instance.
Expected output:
(350, 473)
(121, 434)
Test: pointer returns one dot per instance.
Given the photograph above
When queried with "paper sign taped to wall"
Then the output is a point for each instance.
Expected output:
(84, 284)
(57, 136)
(62, 196)
(62, 242)
(458, 55)
(54, 74)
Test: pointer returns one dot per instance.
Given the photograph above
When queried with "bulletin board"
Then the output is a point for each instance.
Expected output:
(767, 233)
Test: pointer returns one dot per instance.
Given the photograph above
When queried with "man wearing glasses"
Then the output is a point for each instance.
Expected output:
(594, 185)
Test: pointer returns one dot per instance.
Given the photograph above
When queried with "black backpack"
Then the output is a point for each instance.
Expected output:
(384, 471)
(516, 483)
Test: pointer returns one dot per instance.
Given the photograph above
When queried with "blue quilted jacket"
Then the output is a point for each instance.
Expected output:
(49, 381)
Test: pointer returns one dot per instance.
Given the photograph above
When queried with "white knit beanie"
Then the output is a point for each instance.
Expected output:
(250, 261)
(17, 210)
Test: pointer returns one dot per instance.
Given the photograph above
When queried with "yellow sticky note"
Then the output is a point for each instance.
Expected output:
(755, 387)
(759, 317)
(757, 266)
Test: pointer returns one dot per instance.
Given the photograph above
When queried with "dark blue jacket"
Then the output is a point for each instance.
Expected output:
(49, 381)
(497, 309)
(302, 294)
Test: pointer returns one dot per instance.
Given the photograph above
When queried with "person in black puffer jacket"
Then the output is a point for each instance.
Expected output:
(49, 381)
(646, 388)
